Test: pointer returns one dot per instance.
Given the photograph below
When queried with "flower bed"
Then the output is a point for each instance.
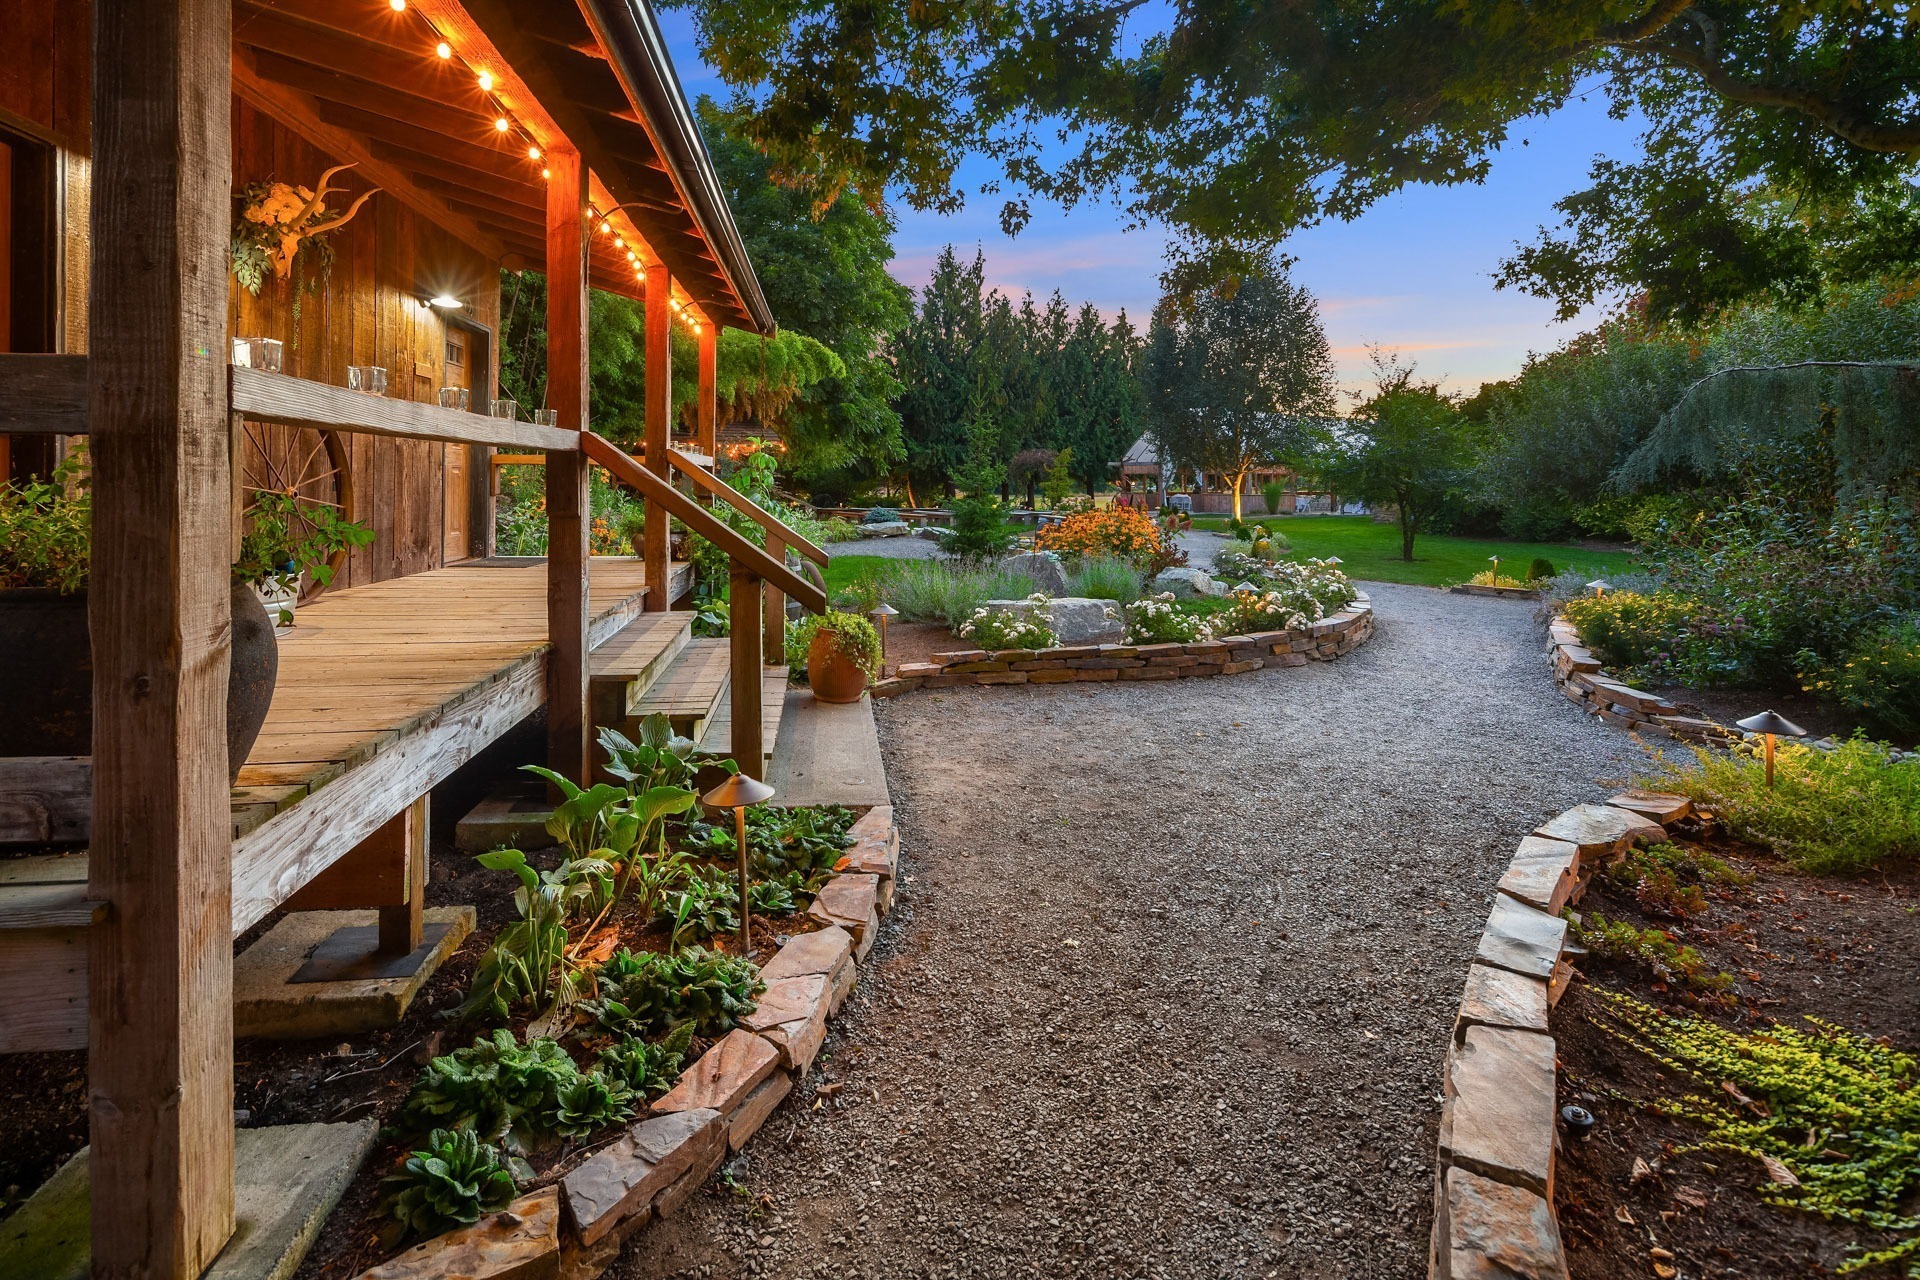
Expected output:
(1322, 641)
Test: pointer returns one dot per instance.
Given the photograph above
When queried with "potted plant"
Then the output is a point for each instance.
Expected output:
(288, 539)
(843, 655)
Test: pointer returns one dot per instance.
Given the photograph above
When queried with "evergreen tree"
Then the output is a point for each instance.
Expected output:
(933, 360)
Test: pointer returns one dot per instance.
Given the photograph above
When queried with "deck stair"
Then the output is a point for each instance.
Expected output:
(718, 738)
(628, 665)
(689, 691)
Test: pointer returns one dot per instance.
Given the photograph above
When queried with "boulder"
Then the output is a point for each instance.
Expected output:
(1045, 571)
(1076, 619)
(886, 529)
(1185, 583)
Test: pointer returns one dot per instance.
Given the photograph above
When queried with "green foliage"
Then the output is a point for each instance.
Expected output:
(705, 906)
(1840, 1113)
(1877, 678)
(1652, 949)
(1670, 880)
(1271, 494)
(947, 590)
(1829, 812)
(286, 535)
(993, 629)
(46, 531)
(1105, 578)
(1408, 446)
(1635, 635)
(1540, 569)
(980, 529)
(1160, 620)
(1240, 377)
(1057, 484)
(646, 1070)
(528, 960)
(795, 848)
(499, 1087)
(449, 1183)
(652, 992)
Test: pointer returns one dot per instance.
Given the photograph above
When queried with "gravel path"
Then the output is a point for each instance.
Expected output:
(1168, 984)
(908, 548)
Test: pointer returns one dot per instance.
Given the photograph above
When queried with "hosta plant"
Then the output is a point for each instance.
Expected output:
(448, 1183)
(651, 992)
(705, 905)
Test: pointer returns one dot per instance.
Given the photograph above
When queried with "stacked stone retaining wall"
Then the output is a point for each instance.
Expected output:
(1581, 678)
(1337, 634)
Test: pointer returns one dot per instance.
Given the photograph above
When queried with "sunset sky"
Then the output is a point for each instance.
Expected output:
(1414, 275)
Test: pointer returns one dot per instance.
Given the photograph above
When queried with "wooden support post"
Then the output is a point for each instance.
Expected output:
(707, 404)
(774, 619)
(160, 1000)
(659, 431)
(403, 924)
(568, 730)
(387, 870)
(744, 650)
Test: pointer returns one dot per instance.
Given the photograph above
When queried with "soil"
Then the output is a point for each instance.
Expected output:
(918, 642)
(1844, 950)
(1818, 717)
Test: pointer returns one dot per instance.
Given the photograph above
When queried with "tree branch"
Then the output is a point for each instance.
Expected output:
(1647, 25)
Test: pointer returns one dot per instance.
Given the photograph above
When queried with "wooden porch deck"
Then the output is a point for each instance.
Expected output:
(415, 674)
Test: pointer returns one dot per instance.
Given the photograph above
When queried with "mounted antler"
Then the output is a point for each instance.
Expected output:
(344, 218)
(299, 225)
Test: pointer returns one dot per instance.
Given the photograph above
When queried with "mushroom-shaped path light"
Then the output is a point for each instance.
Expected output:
(1772, 724)
(1599, 586)
(736, 793)
(880, 613)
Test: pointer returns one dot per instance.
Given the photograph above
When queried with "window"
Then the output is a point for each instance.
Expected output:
(456, 349)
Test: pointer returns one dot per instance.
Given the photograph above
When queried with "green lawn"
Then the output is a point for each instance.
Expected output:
(1366, 550)
(1369, 550)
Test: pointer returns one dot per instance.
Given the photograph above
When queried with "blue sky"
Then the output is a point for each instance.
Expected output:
(1413, 275)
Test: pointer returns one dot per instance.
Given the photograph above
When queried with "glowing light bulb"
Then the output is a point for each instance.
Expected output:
(398, 6)
(546, 173)
(606, 228)
(444, 49)
(486, 82)
(533, 153)
(500, 125)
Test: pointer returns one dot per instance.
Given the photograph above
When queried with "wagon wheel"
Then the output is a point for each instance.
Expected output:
(305, 463)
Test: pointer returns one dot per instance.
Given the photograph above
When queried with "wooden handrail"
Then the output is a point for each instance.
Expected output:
(298, 402)
(745, 506)
(655, 489)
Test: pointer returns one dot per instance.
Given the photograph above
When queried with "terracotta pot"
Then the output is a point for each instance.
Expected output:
(833, 675)
(46, 675)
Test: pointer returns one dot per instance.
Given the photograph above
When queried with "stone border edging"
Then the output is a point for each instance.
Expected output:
(1337, 634)
(575, 1227)
(1504, 593)
(1494, 1169)
(1581, 678)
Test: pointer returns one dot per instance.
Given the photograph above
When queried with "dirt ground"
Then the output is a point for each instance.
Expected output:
(1168, 984)
(1845, 950)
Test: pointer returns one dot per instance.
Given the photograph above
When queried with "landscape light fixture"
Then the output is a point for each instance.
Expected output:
(446, 302)
(1599, 586)
(880, 613)
(1333, 560)
(1496, 567)
(1771, 724)
(736, 793)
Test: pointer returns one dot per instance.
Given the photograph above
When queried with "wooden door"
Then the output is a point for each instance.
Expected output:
(457, 367)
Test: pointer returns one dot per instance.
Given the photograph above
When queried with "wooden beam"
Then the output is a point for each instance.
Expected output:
(43, 394)
(306, 116)
(160, 1005)
(46, 799)
(707, 404)
(744, 658)
(774, 608)
(296, 402)
(569, 727)
(659, 426)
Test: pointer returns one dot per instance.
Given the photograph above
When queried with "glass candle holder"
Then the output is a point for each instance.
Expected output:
(546, 417)
(455, 398)
(508, 409)
(370, 378)
(257, 353)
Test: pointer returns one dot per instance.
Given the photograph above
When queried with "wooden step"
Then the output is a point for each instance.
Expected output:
(625, 667)
(718, 739)
(688, 692)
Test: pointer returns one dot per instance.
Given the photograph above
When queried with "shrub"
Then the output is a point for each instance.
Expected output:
(1571, 584)
(1104, 579)
(1878, 679)
(1488, 578)
(1073, 504)
(1031, 628)
(449, 1183)
(880, 515)
(838, 529)
(1637, 635)
(979, 529)
(1291, 592)
(1159, 620)
(655, 992)
(46, 533)
(949, 591)
(1540, 569)
(1271, 493)
(1123, 533)
(1837, 811)
(854, 636)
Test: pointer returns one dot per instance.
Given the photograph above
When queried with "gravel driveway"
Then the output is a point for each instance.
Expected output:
(1168, 984)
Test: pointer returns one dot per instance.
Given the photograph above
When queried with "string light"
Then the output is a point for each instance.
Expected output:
(486, 82)
(444, 49)
(500, 125)
(398, 6)
(533, 153)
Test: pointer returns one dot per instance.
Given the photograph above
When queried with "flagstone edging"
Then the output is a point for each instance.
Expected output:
(1580, 676)
(1494, 1168)
(575, 1227)
(1332, 637)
